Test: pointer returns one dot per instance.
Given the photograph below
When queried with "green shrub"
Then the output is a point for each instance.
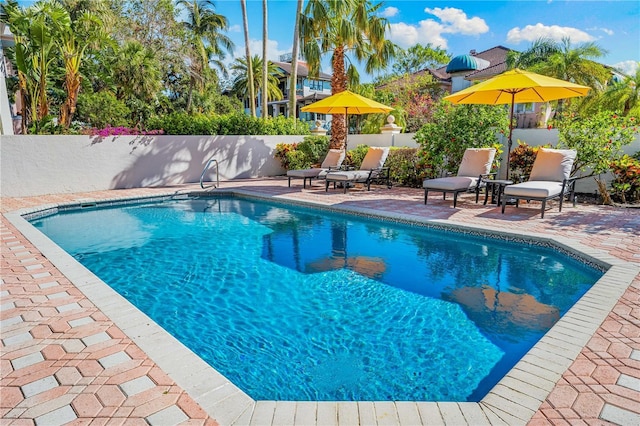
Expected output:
(625, 186)
(302, 155)
(404, 167)
(102, 109)
(228, 124)
(315, 148)
(454, 128)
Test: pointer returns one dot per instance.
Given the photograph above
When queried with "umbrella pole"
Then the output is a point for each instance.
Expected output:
(510, 142)
(346, 130)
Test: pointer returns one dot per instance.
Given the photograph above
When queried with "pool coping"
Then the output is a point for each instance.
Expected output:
(514, 400)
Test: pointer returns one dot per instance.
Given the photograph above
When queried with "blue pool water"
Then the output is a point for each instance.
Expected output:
(296, 304)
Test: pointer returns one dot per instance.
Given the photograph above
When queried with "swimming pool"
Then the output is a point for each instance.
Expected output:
(381, 294)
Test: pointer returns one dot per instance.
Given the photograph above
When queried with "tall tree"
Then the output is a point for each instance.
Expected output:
(139, 78)
(208, 45)
(251, 93)
(621, 95)
(265, 60)
(343, 28)
(242, 85)
(419, 57)
(35, 52)
(74, 38)
(563, 60)
(293, 83)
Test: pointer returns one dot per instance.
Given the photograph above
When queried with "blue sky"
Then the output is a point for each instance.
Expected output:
(460, 26)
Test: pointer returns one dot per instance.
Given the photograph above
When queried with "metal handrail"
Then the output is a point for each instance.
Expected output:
(213, 160)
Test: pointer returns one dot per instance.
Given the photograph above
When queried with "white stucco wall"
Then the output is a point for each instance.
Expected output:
(533, 137)
(37, 165)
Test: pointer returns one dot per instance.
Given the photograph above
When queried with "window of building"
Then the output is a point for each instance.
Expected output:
(522, 108)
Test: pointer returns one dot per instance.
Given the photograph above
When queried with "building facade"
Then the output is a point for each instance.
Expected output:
(308, 90)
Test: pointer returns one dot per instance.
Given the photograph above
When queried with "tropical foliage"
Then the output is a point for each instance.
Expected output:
(242, 85)
(182, 123)
(138, 59)
(598, 139)
(625, 187)
(417, 58)
(350, 31)
(454, 128)
(311, 151)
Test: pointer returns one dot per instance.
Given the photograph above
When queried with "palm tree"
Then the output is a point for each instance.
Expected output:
(74, 37)
(35, 52)
(341, 28)
(208, 45)
(241, 83)
(620, 95)
(252, 93)
(137, 71)
(625, 94)
(564, 61)
(265, 61)
(294, 62)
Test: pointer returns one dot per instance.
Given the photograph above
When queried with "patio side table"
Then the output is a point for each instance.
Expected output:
(496, 186)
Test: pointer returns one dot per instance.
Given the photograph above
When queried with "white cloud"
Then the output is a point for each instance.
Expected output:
(427, 31)
(627, 67)
(554, 32)
(455, 21)
(273, 50)
(607, 31)
(235, 28)
(389, 12)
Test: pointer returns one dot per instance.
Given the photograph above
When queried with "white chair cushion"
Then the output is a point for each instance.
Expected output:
(458, 183)
(348, 176)
(334, 158)
(553, 164)
(375, 158)
(534, 189)
(304, 173)
(476, 161)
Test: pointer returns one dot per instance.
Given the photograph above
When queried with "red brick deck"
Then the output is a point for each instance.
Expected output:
(64, 361)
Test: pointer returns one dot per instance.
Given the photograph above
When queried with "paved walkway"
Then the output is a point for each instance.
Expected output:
(64, 361)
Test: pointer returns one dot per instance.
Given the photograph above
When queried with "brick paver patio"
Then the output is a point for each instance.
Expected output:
(64, 361)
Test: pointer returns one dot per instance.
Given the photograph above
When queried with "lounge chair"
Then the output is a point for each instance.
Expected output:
(549, 179)
(474, 167)
(372, 168)
(333, 160)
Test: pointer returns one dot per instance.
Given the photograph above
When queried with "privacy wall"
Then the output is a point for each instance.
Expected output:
(37, 165)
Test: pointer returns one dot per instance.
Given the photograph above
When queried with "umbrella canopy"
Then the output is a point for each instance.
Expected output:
(347, 103)
(517, 86)
(503, 311)
(372, 267)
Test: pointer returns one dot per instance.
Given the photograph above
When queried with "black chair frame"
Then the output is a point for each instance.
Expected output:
(375, 175)
(568, 189)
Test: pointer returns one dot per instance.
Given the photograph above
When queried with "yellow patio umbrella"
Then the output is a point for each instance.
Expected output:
(514, 87)
(347, 103)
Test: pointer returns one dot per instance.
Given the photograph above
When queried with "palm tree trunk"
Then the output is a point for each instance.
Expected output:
(252, 93)
(265, 61)
(338, 84)
(294, 65)
(72, 83)
(190, 94)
